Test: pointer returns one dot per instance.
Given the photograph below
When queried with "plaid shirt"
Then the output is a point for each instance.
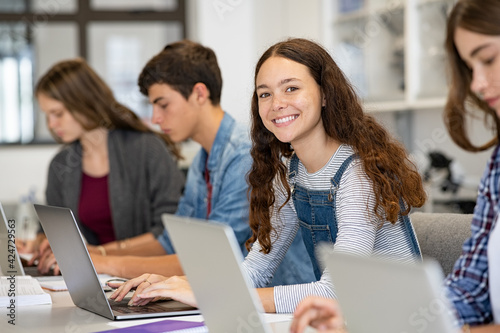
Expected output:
(467, 285)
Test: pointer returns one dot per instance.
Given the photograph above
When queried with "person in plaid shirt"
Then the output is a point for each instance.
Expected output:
(473, 49)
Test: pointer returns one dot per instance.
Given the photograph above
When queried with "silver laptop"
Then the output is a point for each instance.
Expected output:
(381, 296)
(211, 258)
(10, 262)
(80, 276)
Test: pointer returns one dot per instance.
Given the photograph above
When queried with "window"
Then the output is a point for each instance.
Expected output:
(16, 106)
(116, 37)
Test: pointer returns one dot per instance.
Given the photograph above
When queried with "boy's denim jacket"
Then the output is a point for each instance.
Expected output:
(229, 162)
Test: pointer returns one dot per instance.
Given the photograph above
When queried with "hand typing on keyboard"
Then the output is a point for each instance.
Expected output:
(153, 287)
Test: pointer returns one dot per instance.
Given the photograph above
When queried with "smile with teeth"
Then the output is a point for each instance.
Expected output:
(285, 119)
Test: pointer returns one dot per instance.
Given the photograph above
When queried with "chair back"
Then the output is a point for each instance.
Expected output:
(441, 236)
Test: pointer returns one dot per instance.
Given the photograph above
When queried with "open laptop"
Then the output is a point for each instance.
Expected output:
(10, 262)
(80, 276)
(211, 258)
(381, 296)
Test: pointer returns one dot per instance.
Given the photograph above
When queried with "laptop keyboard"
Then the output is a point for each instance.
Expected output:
(33, 271)
(124, 308)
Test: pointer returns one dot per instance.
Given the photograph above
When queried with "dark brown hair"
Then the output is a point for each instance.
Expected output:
(86, 96)
(181, 65)
(483, 17)
(385, 160)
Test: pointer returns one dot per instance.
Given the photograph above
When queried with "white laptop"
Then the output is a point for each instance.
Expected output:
(211, 259)
(10, 262)
(381, 296)
(80, 276)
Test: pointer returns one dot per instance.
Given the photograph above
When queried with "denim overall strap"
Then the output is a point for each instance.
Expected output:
(294, 168)
(410, 232)
(335, 181)
(408, 228)
(316, 211)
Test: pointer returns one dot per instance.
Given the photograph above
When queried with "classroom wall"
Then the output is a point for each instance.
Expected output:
(24, 168)
(240, 31)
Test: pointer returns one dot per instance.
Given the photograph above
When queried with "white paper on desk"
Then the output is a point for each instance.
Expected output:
(25, 291)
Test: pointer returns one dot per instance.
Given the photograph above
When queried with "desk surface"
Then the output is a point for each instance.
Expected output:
(63, 316)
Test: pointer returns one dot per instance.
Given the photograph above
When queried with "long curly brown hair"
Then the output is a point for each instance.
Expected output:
(480, 16)
(384, 159)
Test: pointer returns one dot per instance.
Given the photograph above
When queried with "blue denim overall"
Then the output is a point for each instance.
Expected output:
(316, 211)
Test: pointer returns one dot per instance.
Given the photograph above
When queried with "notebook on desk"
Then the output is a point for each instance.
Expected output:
(381, 296)
(211, 259)
(80, 276)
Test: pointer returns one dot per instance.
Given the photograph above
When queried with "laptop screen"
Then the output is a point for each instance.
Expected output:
(10, 262)
(78, 271)
(382, 295)
(211, 259)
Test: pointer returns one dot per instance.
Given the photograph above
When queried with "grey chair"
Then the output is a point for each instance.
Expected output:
(441, 236)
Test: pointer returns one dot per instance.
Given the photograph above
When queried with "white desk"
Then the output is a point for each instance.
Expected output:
(64, 317)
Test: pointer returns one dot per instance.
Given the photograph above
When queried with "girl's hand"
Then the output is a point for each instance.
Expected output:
(44, 259)
(321, 313)
(175, 287)
(139, 283)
